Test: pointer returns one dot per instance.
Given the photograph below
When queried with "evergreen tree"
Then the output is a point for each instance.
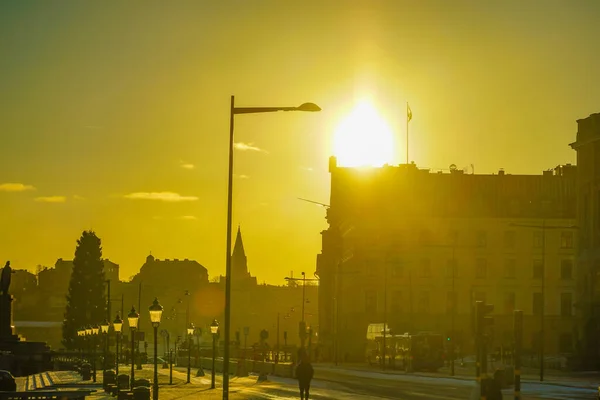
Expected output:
(86, 300)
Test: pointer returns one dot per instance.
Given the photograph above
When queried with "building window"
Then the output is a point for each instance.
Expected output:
(565, 343)
(396, 301)
(424, 302)
(538, 269)
(538, 239)
(510, 239)
(451, 299)
(479, 296)
(566, 304)
(371, 302)
(481, 268)
(510, 268)
(566, 240)
(514, 207)
(451, 268)
(452, 237)
(566, 269)
(481, 239)
(425, 268)
(537, 304)
(509, 302)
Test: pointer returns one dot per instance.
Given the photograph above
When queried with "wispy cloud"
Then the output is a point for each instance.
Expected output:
(248, 147)
(309, 169)
(188, 218)
(15, 187)
(186, 165)
(78, 197)
(51, 199)
(242, 176)
(160, 196)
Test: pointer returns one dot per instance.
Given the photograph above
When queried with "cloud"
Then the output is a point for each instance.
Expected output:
(242, 176)
(309, 169)
(15, 187)
(51, 199)
(78, 197)
(186, 165)
(188, 218)
(248, 147)
(160, 196)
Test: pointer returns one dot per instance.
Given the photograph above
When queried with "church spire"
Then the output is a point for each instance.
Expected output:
(238, 248)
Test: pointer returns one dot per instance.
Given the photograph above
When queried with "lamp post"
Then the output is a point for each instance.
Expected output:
(155, 315)
(95, 330)
(133, 318)
(80, 335)
(88, 339)
(214, 329)
(104, 329)
(190, 333)
(234, 111)
(118, 325)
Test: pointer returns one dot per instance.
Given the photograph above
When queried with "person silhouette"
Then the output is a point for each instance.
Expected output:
(304, 374)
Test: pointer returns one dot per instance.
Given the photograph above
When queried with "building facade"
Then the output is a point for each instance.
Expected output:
(417, 249)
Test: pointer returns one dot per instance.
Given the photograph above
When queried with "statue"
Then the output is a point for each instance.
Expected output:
(5, 278)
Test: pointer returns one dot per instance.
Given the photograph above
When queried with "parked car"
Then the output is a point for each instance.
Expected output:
(7, 382)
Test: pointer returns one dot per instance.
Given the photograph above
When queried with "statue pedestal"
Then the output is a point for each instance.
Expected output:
(6, 319)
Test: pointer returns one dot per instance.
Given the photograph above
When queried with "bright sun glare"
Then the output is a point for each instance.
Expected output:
(363, 139)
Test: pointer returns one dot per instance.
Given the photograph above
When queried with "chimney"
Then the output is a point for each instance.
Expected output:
(501, 172)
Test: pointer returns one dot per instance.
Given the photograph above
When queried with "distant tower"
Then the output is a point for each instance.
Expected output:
(239, 262)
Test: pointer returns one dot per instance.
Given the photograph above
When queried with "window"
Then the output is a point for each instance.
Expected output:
(566, 240)
(566, 269)
(452, 237)
(396, 301)
(538, 239)
(510, 268)
(514, 207)
(565, 343)
(538, 269)
(371, 302)
(425, 268)
(566, 304)
(481, 239)
(537, 304)
(480, 268)
(510, 239)
(451, 302)
(479, 296)
(451, 268)
(509, 302)
(424, 302)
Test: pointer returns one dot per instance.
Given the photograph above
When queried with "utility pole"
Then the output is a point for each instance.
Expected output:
(302, 325)
(543, 228)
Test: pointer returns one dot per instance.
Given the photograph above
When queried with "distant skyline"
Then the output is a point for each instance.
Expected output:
(114, 116)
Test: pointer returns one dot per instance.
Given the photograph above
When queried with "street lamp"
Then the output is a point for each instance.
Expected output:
(214, 329)
(88, 339)
(81, 334)
(190, 333)
(155, 315)
(310, 107)
(118, 325)
(133, 318)
(95, 330)
(104, 329)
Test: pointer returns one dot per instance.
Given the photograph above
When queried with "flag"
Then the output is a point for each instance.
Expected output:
(408, 113)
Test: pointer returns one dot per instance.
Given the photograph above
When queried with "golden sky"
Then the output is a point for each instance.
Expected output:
(101, 101)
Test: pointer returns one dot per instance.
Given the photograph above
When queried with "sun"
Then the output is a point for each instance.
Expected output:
(363, 139)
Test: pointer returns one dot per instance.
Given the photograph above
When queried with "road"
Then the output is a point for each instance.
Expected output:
(344, 384)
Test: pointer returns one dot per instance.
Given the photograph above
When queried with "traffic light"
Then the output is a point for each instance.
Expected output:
(484, 320)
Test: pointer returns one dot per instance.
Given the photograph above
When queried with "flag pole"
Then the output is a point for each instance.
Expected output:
(407, 132)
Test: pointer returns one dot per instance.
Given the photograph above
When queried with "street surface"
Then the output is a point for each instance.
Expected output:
(342, 384)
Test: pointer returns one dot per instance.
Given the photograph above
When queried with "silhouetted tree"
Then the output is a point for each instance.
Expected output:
(86, 301)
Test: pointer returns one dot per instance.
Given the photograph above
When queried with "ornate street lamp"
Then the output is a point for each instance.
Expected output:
(118, 325)
(95, 330)
(156, 311)
(104, 329)
(133, 318)
(190, 333)
(214, 329)
(81, 334)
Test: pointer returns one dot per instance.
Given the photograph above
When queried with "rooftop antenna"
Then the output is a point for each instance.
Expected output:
(315, 202)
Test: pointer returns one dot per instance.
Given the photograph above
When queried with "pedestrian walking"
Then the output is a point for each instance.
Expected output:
(304, 374)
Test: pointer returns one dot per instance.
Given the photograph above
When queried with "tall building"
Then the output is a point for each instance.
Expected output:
(587, 146)
(417, 248)
(240, 275)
